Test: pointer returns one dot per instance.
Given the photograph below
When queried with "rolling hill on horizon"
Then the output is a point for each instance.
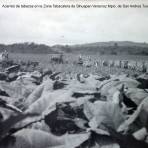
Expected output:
(111, 47)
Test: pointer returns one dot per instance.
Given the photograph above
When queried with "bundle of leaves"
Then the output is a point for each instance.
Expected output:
(64, 119)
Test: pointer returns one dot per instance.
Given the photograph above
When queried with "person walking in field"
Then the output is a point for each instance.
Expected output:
(4, 56)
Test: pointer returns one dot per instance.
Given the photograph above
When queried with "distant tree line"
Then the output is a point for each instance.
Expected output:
(26, 48)
(114, 49)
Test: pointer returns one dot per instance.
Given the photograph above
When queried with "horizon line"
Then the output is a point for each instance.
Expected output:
(73, 44)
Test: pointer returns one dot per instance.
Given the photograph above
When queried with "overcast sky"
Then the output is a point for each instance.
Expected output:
(71, 26)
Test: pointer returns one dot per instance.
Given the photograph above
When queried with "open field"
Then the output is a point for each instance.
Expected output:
(69, 67)
(44, 58)
(72, 105)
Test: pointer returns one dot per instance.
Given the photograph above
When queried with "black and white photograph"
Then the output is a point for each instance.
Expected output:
(73, 74)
